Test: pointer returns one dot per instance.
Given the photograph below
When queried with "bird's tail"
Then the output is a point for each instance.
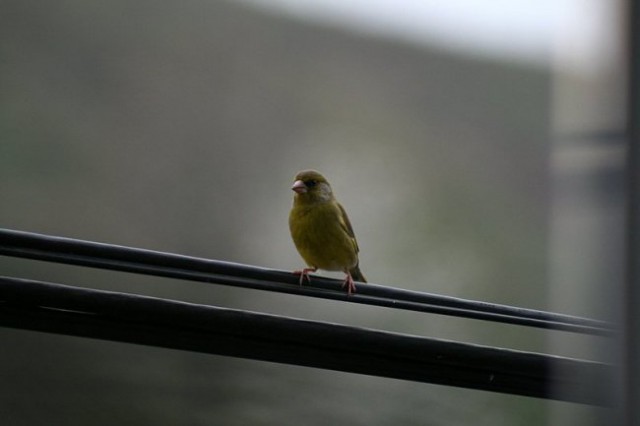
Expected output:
(357, 275)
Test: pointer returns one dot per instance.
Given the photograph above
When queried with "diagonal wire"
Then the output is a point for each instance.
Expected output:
(122, 317)
(107, 256)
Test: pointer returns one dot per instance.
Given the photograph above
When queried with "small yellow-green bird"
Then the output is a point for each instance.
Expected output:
(321, 230)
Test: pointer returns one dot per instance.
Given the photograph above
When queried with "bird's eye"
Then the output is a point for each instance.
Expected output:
(311, 183)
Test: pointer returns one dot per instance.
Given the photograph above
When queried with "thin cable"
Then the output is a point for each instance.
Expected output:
(128, 259)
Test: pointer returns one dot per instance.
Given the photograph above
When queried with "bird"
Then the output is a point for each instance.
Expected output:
(321, 230)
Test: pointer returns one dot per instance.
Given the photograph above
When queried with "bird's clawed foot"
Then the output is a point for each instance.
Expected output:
(351, 286)
(304, 274)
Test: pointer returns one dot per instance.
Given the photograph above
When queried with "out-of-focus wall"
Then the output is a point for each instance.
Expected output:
(178, 126)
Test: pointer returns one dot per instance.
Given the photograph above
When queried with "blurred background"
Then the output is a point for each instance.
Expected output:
(475, 144)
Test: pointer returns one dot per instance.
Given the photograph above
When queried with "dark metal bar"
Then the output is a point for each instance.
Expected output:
(53, 308)
(631, 295)
(86, 253)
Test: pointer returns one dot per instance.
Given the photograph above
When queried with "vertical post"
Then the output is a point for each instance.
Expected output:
(631, 295)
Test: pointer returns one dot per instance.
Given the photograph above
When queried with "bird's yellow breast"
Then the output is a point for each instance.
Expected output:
(319, 234)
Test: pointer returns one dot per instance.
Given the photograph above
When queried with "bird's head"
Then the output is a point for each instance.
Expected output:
(311, 187)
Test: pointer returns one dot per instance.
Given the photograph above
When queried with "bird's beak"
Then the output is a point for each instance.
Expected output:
(299, 187)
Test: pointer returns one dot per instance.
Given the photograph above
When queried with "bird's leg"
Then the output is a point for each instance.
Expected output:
(304, 273)
(348, 281)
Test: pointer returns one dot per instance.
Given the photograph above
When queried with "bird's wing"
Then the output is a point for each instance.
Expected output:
(346, 225)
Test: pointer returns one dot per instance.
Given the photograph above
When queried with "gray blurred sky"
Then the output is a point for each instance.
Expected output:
(577, 32)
